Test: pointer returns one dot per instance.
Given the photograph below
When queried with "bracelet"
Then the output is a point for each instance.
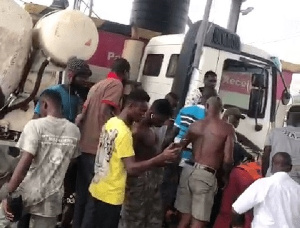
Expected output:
(4, 192)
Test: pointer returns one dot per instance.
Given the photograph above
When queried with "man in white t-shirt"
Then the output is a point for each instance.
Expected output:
(285, 139)
(47, 146)
(275, 199)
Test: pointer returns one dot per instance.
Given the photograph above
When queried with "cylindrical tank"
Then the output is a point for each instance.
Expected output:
(165, 16)
(15, 43)
(133, 51)
(66, 33)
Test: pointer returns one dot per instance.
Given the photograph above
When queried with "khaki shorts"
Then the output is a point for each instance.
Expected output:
(196, 191)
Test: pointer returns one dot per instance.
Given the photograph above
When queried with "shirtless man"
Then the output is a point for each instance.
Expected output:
(212, 142)
(142, 207)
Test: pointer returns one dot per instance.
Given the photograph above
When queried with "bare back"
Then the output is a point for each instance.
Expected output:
(144, 141)
(212, 141)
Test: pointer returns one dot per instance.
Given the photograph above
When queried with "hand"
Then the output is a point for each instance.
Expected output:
(79, 119)
(171, 153)
(225, 182)
(9, 216)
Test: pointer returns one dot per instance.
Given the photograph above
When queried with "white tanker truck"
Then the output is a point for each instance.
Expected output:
(29, 53)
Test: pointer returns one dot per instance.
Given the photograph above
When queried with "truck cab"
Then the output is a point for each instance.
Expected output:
(247, 76)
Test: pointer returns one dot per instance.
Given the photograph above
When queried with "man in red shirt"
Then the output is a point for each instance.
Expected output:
(241, 177)
(103, 102)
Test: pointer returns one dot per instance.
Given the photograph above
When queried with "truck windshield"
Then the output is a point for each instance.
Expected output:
(235, 86)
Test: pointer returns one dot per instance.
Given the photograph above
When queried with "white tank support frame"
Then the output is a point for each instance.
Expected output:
(84, 5)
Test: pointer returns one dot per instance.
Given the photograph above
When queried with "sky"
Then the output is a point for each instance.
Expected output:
(273, 25)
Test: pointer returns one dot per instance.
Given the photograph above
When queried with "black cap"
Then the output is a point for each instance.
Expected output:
(234, 112)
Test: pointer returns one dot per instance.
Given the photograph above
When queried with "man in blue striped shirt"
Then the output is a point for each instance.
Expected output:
(186, 117)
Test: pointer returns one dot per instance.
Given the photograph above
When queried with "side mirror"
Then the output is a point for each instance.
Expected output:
(259, 80)
(285, 97)
(256, 104)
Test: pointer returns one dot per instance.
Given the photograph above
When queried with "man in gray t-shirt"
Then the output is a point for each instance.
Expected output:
(285, 139)
(48, 145)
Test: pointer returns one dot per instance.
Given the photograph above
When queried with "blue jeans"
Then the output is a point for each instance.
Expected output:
(83, 213)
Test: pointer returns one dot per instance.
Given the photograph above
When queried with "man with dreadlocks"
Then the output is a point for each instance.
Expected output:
(77, 72)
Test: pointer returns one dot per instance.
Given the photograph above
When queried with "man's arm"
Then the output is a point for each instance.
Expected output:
(228, 154)
(251, 197)
(134, 168)
(106, 112)
(238, 221)
(266, 160)
(18, 175)
(266, 154)
(110, 102)
(28, 144)
(170, 135)
(20, 171)
(187, 139)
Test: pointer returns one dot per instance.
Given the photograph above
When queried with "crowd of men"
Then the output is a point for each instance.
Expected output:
(118, 163)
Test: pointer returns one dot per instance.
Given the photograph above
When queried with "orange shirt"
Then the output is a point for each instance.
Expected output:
(108, 91)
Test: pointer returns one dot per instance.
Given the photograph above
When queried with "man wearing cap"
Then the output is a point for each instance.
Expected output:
(77, 71)
(102, 103)
(233, 116)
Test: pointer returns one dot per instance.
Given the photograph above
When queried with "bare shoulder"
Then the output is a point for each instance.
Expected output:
(138, 131)
(228, 128)
(196, 125)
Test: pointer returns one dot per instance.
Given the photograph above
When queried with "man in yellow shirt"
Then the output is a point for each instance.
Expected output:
(115, 158)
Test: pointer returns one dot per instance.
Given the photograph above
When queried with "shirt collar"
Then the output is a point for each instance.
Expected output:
(113, 75)
(281, 175)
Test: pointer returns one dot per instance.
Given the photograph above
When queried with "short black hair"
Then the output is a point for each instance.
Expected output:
(53, 96)
(162, 107)
(210, 73)
(293, 116)
(137, 95)
(287, 160)
(120, 65)
(173, 95)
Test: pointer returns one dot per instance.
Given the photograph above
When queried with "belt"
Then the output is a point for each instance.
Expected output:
(199, 166)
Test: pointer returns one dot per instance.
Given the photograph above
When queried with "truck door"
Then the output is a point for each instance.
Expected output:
(158, 69)
(242, 83)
